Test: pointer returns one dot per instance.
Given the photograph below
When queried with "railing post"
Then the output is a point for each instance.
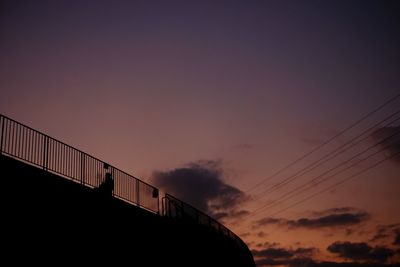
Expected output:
(2, 134)
(167, 207)
(82, 168)
(158, 205)
(137, 192)
(113, 181)
(45, 152)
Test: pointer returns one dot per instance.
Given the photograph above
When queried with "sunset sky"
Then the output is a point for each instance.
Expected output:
(208, 99)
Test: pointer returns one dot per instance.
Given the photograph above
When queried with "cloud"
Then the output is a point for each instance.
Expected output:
(274, 256)
(381, 234)
(238, 214)
(385, 232)
(273, 253)
(397, 237)
(335, 211)
(267, 221)
(361, 252)
(201, 185)
(271, 262)
(330, 218)
(312, 263)
(305, 251)
(308, 262)
(390, 138)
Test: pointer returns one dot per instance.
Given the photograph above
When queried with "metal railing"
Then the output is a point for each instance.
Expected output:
(175, 208)
(24, 143)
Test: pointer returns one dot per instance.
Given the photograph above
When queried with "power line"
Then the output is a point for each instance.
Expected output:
(324, 143)
(314, 182)
(337, 184)
(331, 155)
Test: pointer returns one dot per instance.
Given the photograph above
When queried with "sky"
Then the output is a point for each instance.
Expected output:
(208, 99)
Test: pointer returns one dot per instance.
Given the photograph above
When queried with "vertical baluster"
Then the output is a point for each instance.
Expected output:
(2, 134)
(137, 192)
(82, 168)
(45, 151)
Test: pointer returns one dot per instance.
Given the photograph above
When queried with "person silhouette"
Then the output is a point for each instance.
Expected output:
(109, 184)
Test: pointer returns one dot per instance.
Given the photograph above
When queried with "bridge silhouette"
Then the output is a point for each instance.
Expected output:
(47, 181)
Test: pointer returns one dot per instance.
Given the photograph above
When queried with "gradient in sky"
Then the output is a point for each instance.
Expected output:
(226, 93)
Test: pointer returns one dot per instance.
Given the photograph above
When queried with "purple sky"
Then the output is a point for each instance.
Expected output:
(251, 85)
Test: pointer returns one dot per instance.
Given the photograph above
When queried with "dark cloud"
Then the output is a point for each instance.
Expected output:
(232, 213)
(238, 214)
(336, 211)
(308, 262)
(312, 263)
(274, 256)
(361, 252)
(200, 184)
(397, 237)
(335, 219)
(305, 252)
(271, 262)
(273, 253)
(385, 232)
(332, 220)
(390, 139)
(381, 234)
(267, 221)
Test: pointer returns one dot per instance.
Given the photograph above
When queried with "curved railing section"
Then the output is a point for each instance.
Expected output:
(36, 148)
(175, 208)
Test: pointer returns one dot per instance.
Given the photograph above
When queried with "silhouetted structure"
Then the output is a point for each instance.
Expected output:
(45, 214)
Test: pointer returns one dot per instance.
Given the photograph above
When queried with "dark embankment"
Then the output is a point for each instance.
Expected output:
(47, 219)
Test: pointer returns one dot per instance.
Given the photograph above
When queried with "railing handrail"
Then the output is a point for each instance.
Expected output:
(72, 147)
(48, 138)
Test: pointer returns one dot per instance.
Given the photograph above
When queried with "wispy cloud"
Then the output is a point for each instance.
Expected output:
(330, 218)
(384, 232)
